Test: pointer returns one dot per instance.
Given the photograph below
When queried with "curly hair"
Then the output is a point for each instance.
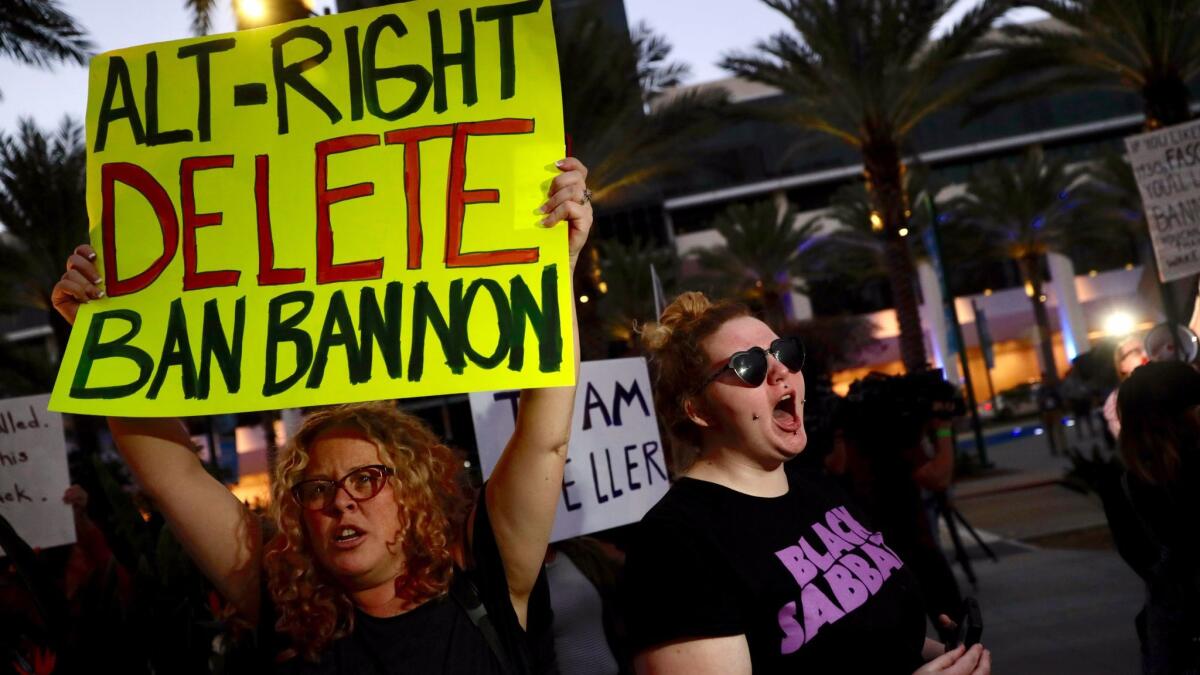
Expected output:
(677, 359)
(431, 500)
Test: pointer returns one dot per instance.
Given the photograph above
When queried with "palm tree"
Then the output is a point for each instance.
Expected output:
(42, 206)
(765, 257)
(627, 297)
(1144, 46)
(1024, 210)
(867, 72)
(39, 33)
(621, 120)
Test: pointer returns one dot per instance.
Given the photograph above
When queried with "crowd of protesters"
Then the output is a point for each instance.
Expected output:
(379, 558)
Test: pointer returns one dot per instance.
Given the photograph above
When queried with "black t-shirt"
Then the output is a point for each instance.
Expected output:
(439, 637)
(811, 588)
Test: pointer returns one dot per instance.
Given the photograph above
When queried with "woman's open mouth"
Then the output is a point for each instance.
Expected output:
(786, 414)
(347, 537)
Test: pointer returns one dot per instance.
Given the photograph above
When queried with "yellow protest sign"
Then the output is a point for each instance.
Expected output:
(329, 210)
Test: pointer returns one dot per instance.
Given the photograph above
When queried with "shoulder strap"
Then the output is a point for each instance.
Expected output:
(464, 592)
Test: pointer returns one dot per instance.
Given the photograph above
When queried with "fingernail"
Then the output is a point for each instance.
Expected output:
(101, 294)
(92, 255)
(546, 221)
(99, 280)
(544, 208)
(560, 163)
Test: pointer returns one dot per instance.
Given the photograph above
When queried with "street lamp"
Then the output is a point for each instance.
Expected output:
(258, 13)
(1119, 324)
(251, 11)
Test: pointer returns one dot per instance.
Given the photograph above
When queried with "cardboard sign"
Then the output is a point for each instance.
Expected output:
(33, 472)
(337, 209)
(1166, 164)
(616, 469)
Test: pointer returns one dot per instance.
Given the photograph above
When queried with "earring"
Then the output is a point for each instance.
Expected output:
(755, 415)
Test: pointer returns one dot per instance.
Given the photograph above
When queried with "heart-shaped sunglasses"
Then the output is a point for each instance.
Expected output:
(751, 365)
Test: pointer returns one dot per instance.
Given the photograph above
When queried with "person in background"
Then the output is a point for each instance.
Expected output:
(893, 452)
(1129, 355)
(742, 566)
(582, 573)
(1159, 407)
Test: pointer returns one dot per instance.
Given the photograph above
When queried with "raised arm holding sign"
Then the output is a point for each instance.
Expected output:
(382, 561)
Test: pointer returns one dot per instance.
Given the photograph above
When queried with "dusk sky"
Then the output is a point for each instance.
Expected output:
(700, 38)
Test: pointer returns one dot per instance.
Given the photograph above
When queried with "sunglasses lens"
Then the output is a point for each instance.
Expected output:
(790, 352)
(750, 366)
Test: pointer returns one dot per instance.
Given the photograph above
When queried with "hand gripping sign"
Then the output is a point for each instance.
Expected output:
(329, 210)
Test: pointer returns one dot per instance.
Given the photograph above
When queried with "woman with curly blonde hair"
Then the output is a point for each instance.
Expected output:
(383, 562)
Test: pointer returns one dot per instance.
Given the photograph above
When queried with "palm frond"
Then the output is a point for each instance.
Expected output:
(42, 206)
(202, 12)
(40, 33)
(1147, 47)
(622, 124)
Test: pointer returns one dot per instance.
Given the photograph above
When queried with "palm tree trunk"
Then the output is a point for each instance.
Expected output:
(1031, 270)
(1167, 102)
(885, 185)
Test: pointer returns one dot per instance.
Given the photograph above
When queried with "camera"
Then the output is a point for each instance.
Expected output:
(915, 397)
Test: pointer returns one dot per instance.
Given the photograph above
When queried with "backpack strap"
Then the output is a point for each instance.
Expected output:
(466, 594)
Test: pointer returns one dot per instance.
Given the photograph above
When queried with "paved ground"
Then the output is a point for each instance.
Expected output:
(1059, 600)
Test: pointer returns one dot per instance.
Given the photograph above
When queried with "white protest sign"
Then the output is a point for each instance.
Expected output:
(1166, 164)
(615, 465)
(33, 472)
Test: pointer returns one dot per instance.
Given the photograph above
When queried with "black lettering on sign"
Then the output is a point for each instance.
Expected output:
(630, 465)
(214, 345)
(119, 348)
(176, 351)
(427, 313)
(250, 93)
(600, 496)
(380, 327)
(17, 495)
(592, 399)
(626, 396)
(511, 397)
(281, 330)
(373, 73)
(337, 331)
(118, 78)
(464, 59)
(503, 321)
(544, 322)
(10, 424)
(153, 135)
(13, 458)
(292, 75)
(571, 506)
(503, 16)
(649, 450)
(203, 52)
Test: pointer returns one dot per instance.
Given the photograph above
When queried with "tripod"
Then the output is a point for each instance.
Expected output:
(954, 518)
